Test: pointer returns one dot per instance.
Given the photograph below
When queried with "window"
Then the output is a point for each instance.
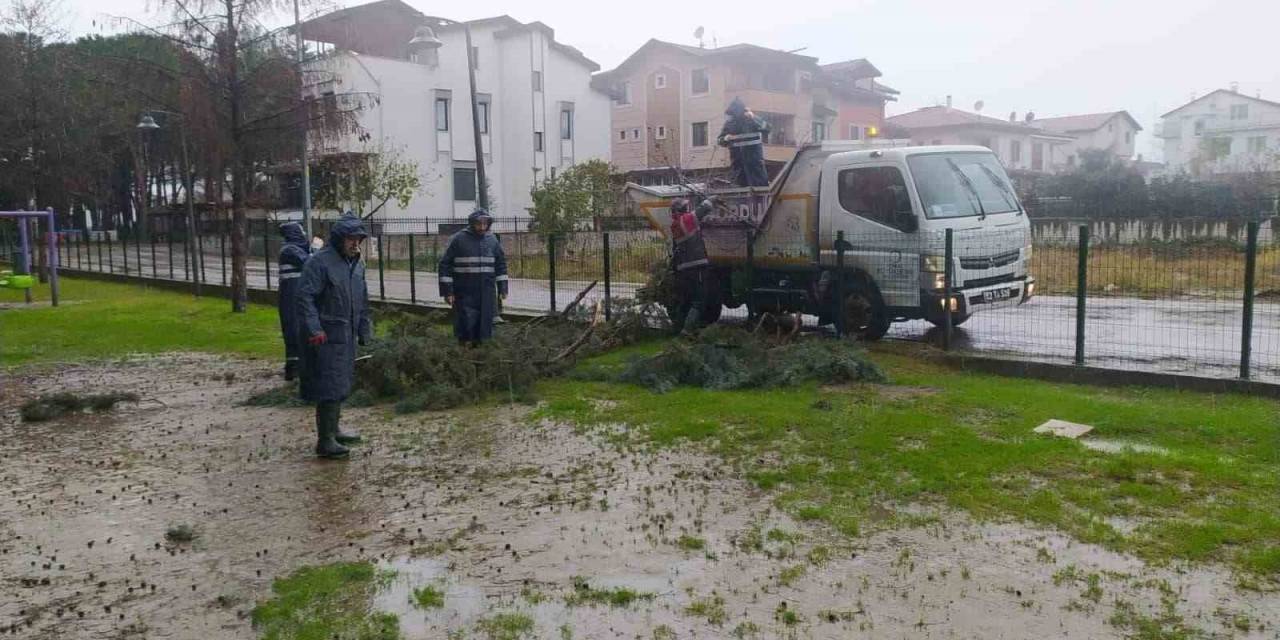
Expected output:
(622, 94)
(1258, 144)
(464, 184)
(566, 123)
(698, 134)
(537, 81)
(1199, 127)
(622, 134)
(662, 133)
(1239, 112)
(537, 141)
(1128, 137)
(875, 193)
(952, 185)
(483, 109)
(660, 81)
(1037, 156)
(819, 131)
(635, 134)
(442, 114)
(700, 82)
(1015, 151)
(855, 132)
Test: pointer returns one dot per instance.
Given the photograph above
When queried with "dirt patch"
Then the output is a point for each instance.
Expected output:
(508, 521)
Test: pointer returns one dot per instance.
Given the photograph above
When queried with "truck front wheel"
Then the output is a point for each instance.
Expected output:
(864, 314)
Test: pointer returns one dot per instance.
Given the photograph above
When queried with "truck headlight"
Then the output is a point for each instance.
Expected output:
(933, 264)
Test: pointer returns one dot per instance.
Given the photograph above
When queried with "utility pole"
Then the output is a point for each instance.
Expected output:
(482, 192)
(306, 162)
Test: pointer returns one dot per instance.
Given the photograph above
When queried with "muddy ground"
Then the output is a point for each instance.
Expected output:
(503, 513)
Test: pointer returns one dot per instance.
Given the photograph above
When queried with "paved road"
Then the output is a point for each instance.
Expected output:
(1192, 336)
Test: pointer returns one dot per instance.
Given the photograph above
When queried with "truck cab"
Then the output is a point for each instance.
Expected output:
(867, 228)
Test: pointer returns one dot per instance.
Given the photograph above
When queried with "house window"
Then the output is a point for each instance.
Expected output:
(1015, 151)
(1037, 156)
(537, 81)
(622, 134)
(566, 124)
(819, 131)
(662, 132)
(622, 94)
(1128, 137)
(700, 82)
(1239, 112)
(855, 132)
(878, 194)
(698, 134)
(537, 141)
(442, 114)
(1199, 127)
(464, 184)
(483, 109)
(1258, 144)
(660, 81)
(635, 134)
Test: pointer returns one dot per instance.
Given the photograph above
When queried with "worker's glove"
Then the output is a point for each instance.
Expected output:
(317, 339)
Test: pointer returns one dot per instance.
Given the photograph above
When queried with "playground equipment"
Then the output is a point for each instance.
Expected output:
(20, 277)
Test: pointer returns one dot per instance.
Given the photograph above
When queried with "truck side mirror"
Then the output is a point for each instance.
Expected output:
(906, 221)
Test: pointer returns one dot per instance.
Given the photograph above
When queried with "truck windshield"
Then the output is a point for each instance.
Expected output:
(957, 185)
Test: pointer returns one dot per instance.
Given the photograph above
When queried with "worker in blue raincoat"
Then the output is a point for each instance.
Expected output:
(744, 134)
(293, 255)
(333, 306)
(473, 276)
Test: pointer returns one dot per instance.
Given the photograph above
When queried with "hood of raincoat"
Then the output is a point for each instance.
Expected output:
(346, 226)
(736, 108)
(476, 216)
(293, 234)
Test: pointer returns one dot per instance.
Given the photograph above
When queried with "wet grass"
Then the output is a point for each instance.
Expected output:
(98, 320)
(968, 444)
(318, 603)
(428, 597)
(1156, 270)
(506, 626)
(585, 594)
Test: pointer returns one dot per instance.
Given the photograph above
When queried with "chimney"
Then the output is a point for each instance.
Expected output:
(948, 102)
(1235, 87)
(1013, 116)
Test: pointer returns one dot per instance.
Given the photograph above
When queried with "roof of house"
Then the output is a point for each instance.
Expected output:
(1217, 91)
(1085, 122)
(948, 117)
(384, 28)
(749, 51)
(859, 68)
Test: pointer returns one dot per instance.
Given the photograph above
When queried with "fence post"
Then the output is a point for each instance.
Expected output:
(608, 280)
(551, 268)
(1082, 286)
(839, 283)
(1246, 328)
(151, 236)
(222, 249)
(137, 248)
(266, 252)
(382, 260)
(111, 259)
(413, 274)
(99, 246)
(948, 277)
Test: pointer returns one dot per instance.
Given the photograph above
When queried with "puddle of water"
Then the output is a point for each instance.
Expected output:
(1120, 446)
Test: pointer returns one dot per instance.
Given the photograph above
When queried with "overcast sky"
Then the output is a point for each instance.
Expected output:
(1053, 58)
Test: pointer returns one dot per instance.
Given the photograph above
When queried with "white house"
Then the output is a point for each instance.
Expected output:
(1222, 132)
(1112, 131)
(1019, 145)
(538, 113)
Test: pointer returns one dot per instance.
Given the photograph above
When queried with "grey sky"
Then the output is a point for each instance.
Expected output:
(1054, 58)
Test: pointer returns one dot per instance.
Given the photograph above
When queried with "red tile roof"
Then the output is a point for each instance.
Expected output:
(1085, 122)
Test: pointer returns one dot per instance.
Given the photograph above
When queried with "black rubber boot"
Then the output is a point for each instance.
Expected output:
(327, 445)
(342, 436)
(290, 369)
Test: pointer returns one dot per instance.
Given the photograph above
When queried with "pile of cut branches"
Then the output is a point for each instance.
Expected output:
(731, 358)
(55, 405)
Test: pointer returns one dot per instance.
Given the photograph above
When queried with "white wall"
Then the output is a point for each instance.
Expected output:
(1111, 135)
(404, 116)
(1182, 145)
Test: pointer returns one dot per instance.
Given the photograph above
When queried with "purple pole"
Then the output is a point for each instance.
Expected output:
(24, 262)
(53, 257)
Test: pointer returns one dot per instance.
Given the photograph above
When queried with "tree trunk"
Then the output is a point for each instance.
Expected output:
(239, 271)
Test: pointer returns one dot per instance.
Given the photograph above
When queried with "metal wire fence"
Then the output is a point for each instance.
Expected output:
(1204, 304)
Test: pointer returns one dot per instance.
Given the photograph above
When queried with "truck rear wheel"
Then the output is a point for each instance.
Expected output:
(865, 317)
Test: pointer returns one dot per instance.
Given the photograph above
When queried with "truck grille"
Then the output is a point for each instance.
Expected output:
(975, 283)
(990, 262)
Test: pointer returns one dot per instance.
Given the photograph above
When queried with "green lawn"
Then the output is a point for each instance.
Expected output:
(102, 320)
(855, 456)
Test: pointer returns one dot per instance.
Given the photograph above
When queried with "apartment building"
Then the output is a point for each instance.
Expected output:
(668, 103)
(1222, 132)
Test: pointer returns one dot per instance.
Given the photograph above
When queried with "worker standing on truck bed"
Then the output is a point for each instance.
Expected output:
(744, 134)
(689, 260)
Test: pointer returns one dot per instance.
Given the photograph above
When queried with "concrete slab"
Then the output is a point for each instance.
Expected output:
(1063, 429)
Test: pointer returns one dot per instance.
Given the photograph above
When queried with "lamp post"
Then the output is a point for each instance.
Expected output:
(147, 124)
(425, 39)
(306, 161)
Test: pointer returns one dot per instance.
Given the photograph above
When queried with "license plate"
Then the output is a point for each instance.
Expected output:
(996, 295)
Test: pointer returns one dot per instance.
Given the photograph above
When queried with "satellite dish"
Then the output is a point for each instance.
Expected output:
(697, 33)
(977, 106)
(1031, 115)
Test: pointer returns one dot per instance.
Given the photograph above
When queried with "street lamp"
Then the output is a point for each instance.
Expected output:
(424, 39)
(148, 124)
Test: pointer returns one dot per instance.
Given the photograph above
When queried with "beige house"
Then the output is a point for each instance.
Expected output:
(669, 102)
(1113, 131)
(1018, 144)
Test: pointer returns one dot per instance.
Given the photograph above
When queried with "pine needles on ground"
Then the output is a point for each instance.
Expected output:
(732, 358)
(55, 405)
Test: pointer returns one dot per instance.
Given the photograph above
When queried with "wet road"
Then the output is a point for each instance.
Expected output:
(1199, 337)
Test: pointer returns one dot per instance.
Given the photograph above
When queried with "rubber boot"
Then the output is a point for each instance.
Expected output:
(327, 445)
(692, 322)
(342, 436)
(290, 369)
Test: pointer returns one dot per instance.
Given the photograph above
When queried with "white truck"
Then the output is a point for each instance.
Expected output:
(775, 248)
